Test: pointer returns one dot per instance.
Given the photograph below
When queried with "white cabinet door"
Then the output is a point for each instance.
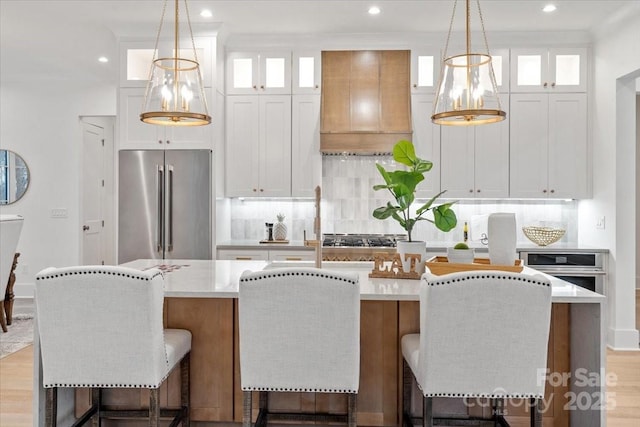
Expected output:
(528, 151)
(257, 73)
(549, 70)
(291, 255)
(307, 73)
(426, 140)
(549, 146)
(491, 157)
(457, 162)
(568, 146)
(425, 70)
(135, 134)
(275, 145)
(242, 155)
(306, 159)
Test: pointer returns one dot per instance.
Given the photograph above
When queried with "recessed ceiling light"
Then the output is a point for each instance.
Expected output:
(374, 10)
(103, 59)
(206, 13)
(549, 8)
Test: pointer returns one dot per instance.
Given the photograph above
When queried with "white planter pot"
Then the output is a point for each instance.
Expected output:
(460, 256)
(417, 247)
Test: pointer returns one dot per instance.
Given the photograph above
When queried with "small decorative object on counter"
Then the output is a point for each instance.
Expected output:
(543, 236)
(269, 226)
(502, 238)
(279, 228)
(389, 266)
(465, 232)
(461, 253)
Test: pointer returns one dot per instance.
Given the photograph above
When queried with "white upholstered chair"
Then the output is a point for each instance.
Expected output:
(483, 334)
(10, 228)
(101, 327)
(299, 332)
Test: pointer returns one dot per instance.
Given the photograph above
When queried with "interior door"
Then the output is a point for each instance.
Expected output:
(92, 194)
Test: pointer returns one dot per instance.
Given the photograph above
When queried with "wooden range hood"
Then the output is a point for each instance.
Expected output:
(366, 101)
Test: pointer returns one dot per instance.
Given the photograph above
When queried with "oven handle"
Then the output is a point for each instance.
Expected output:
(577, 273)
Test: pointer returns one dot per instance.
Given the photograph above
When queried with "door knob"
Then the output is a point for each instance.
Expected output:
(85, 227)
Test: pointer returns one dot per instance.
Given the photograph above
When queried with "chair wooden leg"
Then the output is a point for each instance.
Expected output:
(96, 401)
(3, 324)
(246, 408)
(427, 412)
(154, 407)
(352, 411)
(51, 407)
(536, 413)
(407, 382)
(185, 389)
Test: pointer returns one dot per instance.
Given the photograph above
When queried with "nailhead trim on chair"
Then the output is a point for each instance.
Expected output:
(297, 273)
(71, 273)
(487, 276)
(310, 390)
(484, 395)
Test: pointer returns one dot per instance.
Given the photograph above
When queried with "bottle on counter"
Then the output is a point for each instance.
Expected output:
(465, 232)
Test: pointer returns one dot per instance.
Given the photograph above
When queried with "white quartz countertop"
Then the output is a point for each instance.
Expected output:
(220, 278)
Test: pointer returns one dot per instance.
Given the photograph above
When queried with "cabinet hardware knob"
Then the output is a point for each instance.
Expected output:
(254, 190)
(255, 87)
(553, 84)
(168, 142)
(262, 87)
(159, 141)
(261, 190)
(545, 84)
(85, 227)
(478, 190)
(553, 191)
(415, 85)
(544, 191)
(471, 190)
(317, 86)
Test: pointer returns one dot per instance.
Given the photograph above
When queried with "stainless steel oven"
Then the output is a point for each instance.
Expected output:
(584, 269)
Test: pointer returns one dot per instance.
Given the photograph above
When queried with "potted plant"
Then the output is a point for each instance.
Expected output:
(402, 185)
(461, 254)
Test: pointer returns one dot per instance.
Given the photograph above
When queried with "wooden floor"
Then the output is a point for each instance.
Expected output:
(16, 376)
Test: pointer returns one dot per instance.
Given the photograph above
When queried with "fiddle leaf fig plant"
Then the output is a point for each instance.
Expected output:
(402, 185)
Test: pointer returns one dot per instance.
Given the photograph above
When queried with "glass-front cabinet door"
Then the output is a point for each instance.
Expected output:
(546, 70)
(306, 76)
(425, 70)
(257, 73)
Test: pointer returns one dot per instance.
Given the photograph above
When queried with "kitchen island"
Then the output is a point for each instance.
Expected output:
(202, 296)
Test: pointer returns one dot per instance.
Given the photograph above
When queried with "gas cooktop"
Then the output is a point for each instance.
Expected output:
(362, 240)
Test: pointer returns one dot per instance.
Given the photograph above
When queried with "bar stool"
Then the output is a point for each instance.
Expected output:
(101, 327)
(483, 334)
(299, 332)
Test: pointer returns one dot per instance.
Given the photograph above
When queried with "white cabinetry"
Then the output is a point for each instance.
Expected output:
(475, 160)
(134, 134)
(266, 255)
(549, 146)
(257, 73)
(426, 140)
(306, 73)
(545, 70)
(425, 70)
(258, 150)
(306, 159)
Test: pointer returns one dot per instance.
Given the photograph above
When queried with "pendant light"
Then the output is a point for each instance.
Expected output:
(175, 93)
(467, 92)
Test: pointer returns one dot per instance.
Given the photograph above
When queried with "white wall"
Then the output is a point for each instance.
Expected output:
(41, 123)
(616, 55)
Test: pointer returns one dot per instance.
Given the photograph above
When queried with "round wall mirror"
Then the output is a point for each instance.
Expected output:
(14, 177)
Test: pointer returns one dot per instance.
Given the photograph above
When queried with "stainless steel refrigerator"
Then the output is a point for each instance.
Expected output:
(164, 209)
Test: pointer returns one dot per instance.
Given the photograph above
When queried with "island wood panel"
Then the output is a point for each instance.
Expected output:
(558, 361)
(377, 395)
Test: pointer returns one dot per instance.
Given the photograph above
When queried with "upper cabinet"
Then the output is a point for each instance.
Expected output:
(258, 73)
(425, 70)
(306, 73)
(136, 58)
(306, 159)
(135, 134)
(426, 140)
(549, 70)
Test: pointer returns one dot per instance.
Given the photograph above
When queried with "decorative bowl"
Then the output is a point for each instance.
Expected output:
(543, 236)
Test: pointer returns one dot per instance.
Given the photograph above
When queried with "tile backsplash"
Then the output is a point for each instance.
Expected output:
(348, 200)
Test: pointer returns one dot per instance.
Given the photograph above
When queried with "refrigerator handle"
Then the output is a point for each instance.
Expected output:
(170, 208)
(160, 199)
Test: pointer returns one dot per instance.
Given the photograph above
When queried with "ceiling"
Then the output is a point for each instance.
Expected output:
(56, 40)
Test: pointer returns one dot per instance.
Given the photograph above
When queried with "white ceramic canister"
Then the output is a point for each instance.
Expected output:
(501, 228)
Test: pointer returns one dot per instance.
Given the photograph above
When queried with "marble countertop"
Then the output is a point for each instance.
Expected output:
(220, 278)
(431, 246)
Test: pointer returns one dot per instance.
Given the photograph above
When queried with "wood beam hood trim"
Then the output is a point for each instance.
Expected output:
(366, 101)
